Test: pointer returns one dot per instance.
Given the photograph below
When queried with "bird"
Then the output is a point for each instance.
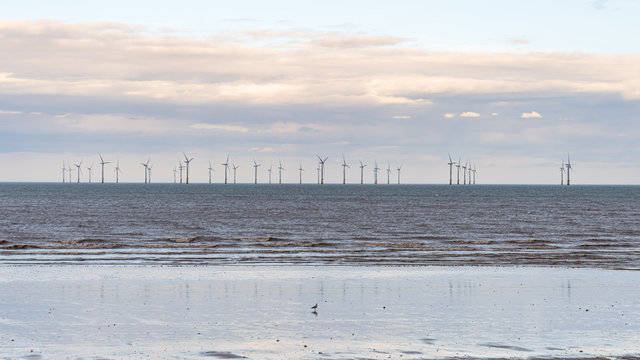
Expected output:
(314, 307)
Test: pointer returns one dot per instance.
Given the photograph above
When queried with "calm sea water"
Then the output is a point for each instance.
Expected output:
(583, 226)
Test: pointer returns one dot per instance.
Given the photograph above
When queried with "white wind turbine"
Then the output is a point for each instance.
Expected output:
(70, 170)
(175, 173)
(322, 168)
(255, 170)
(451, 163)
(399, 168)
(234, 167)
(180, 167)
(79, 170)
(344, 170)
(388, 173)
(210, 170)
(149, 170)
(562, 173)
(269, 171)
(464, 172)
(474, 174)
(458, 166)
(64, 172)
(187, 161)
(300, 170)
(569, 167)
(362, 166)
(117, 170)
(226, 167)
(90, 168)
(318, 170)
(280, 168)
(146, 170)
(102, 162)
(375, 172)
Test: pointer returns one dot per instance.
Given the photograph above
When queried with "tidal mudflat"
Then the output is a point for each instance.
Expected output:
(264, 312)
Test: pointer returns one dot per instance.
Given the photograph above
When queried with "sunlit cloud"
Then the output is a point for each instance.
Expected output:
(222, 127)
(449, 115)
(469, 114)
(530, 115)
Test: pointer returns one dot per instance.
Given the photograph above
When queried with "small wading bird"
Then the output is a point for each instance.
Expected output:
(315, 309)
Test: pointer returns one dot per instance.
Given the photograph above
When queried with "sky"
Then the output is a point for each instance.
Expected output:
(510, 87)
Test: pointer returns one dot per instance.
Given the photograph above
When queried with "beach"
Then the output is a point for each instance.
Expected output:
(264, 312)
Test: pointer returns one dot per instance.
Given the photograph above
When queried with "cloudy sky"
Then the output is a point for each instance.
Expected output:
(511, 87)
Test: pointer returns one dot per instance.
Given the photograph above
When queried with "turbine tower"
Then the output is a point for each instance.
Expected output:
(388, 173)
(375, 172)
(344, 170)
(146, 170)
(149, 170)
(90, 168)
(180, 167)
(300, 170)
(569, 167)
(102, 162)
(175, 172)
(318, 169)
(362, 166)
(117, 170)
(234, 167)
(70, 170)
(270, 170)
(280, 168)
(226, 167)
(562, 173)
(464, 172)
(210, 170)
(322, 168)
(187, 161)
(474, 174)
(458, 166)
(64, 171)
(255, 170)
(451, 163)
(399, 168)
(79, 170)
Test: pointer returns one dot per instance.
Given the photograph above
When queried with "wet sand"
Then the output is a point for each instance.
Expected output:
(264, 312)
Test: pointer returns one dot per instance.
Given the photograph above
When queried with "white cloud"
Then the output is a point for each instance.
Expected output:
(10, 112)
(469, 114)
(530, 115)
(449, 115)
(402, 117)
(222, 127)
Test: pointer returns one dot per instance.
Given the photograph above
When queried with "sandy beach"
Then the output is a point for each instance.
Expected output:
(264, 312)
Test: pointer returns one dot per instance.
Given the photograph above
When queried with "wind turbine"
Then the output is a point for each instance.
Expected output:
(562, 173)
(210, 170)
(90, 168)
(474, 174)
(569, 167)
(180, 167)
(399, 168)
(146, 170)
(79, 170)
(458, 166)
(102, 162)
(362, 166)
(117, 170)
(255, 170)
(322, 168)
(318, 169)
(451, 163)
(388, 173)
(234, 172)
(149, 170)
(187, 161)
(226, 167)
(344, 170)
(70, 170)
(375, 172)
(464, 172)
(269, 170)
(175, 172)
(280, 168)
(300, 170)
(64, 171)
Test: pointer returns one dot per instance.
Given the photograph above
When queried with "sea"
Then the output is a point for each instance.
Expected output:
(309, 224)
